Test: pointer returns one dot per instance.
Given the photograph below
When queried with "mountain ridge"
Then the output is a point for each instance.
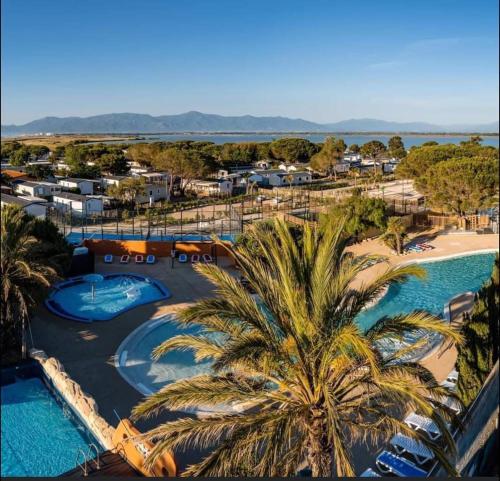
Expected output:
(194, 121)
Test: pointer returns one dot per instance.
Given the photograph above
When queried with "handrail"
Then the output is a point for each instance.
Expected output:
(97, 460)
(84, 467)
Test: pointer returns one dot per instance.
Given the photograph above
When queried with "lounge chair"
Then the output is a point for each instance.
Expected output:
(422, 423)
(150, 259)
(450, 403)
(195, 258)
(417, 450)
(207, 258)
(108, 259)
(369, 473)
(451, 380)
(139, 259)
(389, 463)
(124, 259)
(183, 258)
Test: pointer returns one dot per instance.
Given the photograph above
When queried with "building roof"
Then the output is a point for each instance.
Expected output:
(75, 180)
(12, 199)
(29, 183)
(71, 196)
(14, 174)
(116, 177)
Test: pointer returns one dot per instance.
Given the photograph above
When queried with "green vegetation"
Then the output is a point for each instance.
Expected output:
(461, 185)
(362, 213)
(39, 172)
(480, 331)
(373, 149)
(395, 234)
(292, 150)
(396, 147)
(329, 156)
(128, 190)
(19, 154)
(33, 253)
(311, 381)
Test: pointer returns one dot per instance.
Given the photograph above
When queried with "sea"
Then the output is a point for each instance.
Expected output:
(349, 139)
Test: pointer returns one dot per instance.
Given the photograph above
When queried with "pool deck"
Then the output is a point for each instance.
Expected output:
(87, 351)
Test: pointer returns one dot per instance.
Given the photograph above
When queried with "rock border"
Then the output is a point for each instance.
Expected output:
(84, 404)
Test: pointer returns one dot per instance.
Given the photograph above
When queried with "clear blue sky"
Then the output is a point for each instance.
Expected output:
(322, 60)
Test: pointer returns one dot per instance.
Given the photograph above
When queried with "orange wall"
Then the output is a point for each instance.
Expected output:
(158, 248)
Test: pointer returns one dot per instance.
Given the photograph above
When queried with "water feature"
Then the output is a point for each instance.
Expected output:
(93, 279)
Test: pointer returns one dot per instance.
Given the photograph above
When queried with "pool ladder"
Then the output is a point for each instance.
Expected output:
(87, 459)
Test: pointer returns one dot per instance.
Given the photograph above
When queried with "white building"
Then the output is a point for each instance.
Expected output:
(78, 204)
(35, 206)
(289, 178)
(152, 193)
(293, 167)
(212, 187)
(37, 189)
(113, 180)
(154, 177)
(85, 186)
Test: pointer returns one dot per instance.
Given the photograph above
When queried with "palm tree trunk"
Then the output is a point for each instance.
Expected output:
(23, 337)
(319, 455)
(398, 243)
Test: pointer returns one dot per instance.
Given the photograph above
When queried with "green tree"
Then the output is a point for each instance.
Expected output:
(113, 163)
(479, 353)
(242, 153)
(354, 148)
(8, 148)
(293, 150)
(25, 276)
(396, 147)
(329, 156)
(39, 172)
(362, 213)
(128, 190)
(308, 380)
(461, 186)
(394, 234)
(373, 149)
(430, 143)
(20, 156)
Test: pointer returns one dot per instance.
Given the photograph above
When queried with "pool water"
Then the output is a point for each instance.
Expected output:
(112, 296)
(445, 279)
(39, 436)
(148, 375)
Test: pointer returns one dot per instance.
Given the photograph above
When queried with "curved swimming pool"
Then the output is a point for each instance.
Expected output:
(445, 279)
(101, 298)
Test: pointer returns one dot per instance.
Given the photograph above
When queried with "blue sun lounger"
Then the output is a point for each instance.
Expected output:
(369, 473)
(389, 463)
(183, 258)
(150, 259)
(417, 450)
(108, 258)
(425, 424)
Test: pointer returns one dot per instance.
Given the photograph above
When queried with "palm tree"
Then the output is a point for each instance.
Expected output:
(395, 234)
(355, 173)
(308, 381)
(22, 275)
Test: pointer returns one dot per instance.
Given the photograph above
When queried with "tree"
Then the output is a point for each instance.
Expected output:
(243, 153)
(461, 186)
(20, 156)
(308, 380)
(354, 172)
(24, 276)
(373, 149)
(395, 234)
(479, 353)
(430, 143)
(354, 148)
(128, 190)
(329, 156)
(293, 150)
(113, 163)
(396, 147)
(39, 172)
(362, 213)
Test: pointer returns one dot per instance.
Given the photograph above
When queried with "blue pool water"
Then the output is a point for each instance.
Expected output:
(445, 279)
(39, 436)
(115, 294)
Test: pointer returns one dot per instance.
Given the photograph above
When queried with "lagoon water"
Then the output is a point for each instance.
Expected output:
(409, 140)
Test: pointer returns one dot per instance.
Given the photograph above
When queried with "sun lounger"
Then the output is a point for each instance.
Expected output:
(451, 403)
(422, 423)
(124, 259)
(139, 259)
(108, 258)
(389, 463)
(183, 257)
(195, 258)
(369, 473)
(418, 450)
(207, 258)
(150, 259)
(451, 381)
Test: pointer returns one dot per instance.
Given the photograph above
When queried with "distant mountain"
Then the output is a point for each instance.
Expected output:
(200, 122)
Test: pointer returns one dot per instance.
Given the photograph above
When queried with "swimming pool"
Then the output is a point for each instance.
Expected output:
(82, 300)
(446, 278)
(41, 436)
(78, 237)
